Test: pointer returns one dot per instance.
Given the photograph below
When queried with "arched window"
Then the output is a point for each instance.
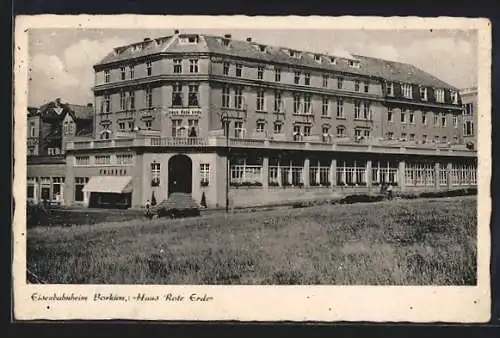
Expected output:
(341, 131)
(105, 134)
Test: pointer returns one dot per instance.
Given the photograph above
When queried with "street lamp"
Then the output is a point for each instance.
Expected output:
(225, 119)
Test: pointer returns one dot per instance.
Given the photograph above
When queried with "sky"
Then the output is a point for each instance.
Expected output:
(61, 60)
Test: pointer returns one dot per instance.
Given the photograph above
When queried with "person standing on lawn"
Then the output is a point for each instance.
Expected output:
(389, 191)
(148, 209)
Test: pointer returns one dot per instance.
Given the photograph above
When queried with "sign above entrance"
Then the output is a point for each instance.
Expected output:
(185, 111)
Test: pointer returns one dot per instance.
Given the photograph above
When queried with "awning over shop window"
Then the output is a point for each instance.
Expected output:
(109, 184)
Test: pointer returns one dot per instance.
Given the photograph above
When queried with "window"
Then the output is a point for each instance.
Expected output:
(468, 109)
(149, 68)
(390, 89)
(436, 120)
(260, 72)
(79, 184)
(278, 127)
(102, 159)
(325, 81)
(307, 130)
(403, 117)
(444, 139)
(366, 111)
(468, 128)
(423, 93)
(261, 125)
(204, 174)
(225, 68)
(325, 107)
(439, 95)
(260, 100)
(407, 90)
(341, 131)
(193, 99)
(357, 110)
(238, 70)
(225, 96)
(361, 133)
(325, 133)
(193, 66)
(297, 135)
(403, 137)
(131, 125)
(367, 87)
(454, 97)
(148, 124)
(121, 125)
(277, 75)
(131, 98)
(389, 135)
(353, 64)
(340, 82)
(278, 104)
(307, 79)
(307, 104)
(32, 129)
(356, 85)
(443, 120)
(107, 76)
(131, 71)
(107, 103)
(124, 159)
(149, 97)
(296, 78)
(390, 116)
(296, 104)
(411, 117)
(340, 108)
(176, 124)
(238, 129)
(238, 98)
(30, 192)
(123, 100)
(455, 121)
(82, 160)
(424, 139)
(436, 139)
(424, 118)
(192, 128)
(155, 174)
(177, 95)
(177, 66)
(122, 73)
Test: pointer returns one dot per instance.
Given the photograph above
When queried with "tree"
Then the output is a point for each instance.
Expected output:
(153, 199)
(203, 200)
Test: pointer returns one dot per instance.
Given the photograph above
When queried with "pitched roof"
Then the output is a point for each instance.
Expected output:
(368, 66)
(55, 110)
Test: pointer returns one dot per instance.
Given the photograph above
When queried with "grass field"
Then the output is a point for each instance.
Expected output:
(399, 242)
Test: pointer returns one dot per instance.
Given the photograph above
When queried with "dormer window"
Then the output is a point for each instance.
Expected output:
(190, 39)
(454, 97)
(406, 90)
(423, 93)
(333, 60)
(317, 58)
(353, 63)
(390, 89)
(439, 95)
(225, 42)
(295, 54)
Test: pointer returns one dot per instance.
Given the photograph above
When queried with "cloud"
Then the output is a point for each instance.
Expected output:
(69, 76)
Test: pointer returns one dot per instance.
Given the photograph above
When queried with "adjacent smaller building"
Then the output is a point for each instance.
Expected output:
(50, 127)
(469, 101)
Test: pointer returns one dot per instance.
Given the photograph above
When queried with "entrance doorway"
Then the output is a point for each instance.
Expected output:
(180, 168)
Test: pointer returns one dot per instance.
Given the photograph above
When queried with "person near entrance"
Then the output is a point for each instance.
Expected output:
(149, 214)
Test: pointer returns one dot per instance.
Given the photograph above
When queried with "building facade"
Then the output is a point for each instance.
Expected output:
(469, 100)
(50, 127)
(255, 124)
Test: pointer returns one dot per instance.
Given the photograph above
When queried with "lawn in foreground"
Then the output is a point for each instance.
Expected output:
(399, 242)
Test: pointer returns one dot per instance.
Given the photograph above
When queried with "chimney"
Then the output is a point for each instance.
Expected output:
(176, 31)
(249, 39)
(227, 36)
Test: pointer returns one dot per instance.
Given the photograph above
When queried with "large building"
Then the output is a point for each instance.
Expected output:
(469, 101)
(191, 112)
(50, 127)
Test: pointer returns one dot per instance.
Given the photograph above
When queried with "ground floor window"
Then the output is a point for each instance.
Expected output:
(463, 174)
(443, 175)
(319, 173)
(30, 192)
(204, 174)
(419, 174)
(351, 173)
(45, 188)
(246, 172)
(79, 184)
(286, 173)
(57, 189)
(384, 172)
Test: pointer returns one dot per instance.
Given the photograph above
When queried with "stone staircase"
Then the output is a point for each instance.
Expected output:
(177, 205)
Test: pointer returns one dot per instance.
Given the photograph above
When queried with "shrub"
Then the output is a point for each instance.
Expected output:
(203, 202)
(36, 214)
(153, 199)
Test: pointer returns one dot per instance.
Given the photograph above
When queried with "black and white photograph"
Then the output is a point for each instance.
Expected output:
(181, 163)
